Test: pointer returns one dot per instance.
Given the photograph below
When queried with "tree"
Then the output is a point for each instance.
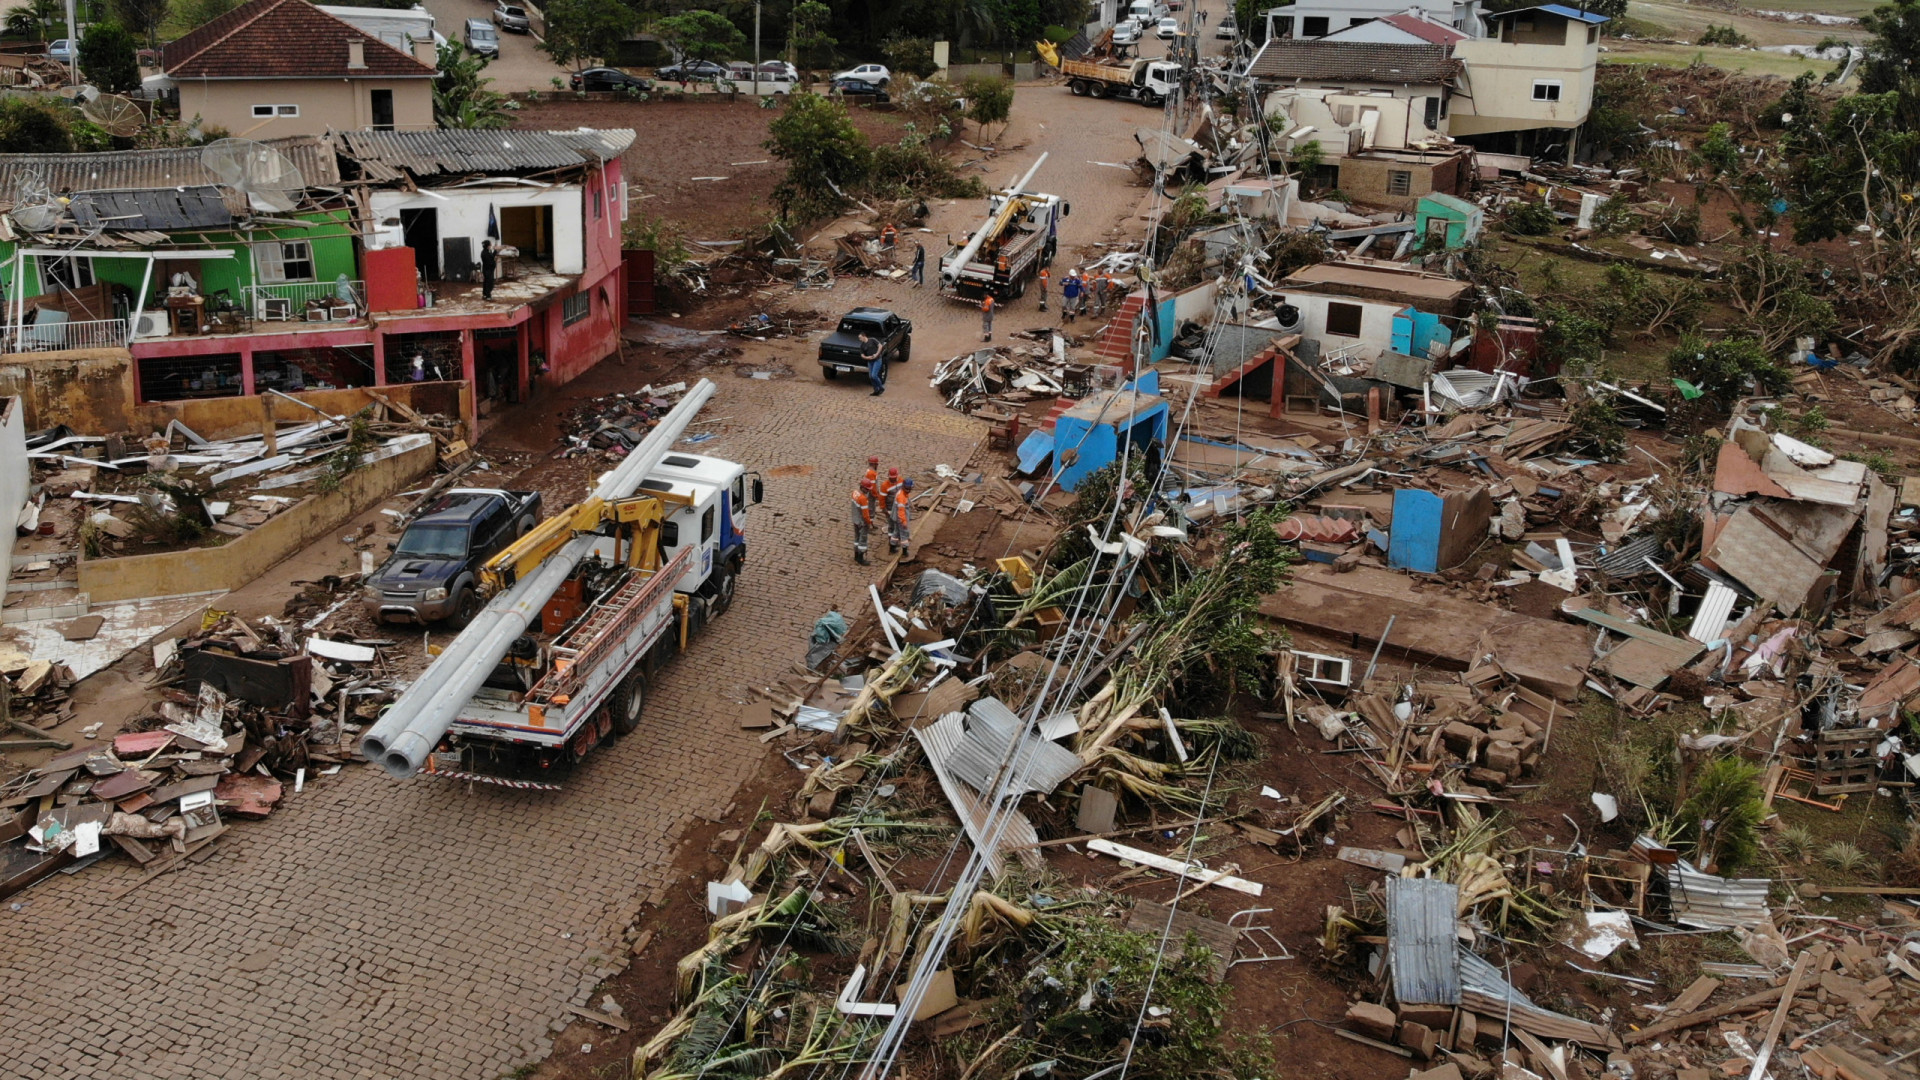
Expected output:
(700, 35)
(912, 55)
(582, 31)
(142, 18)
(460, 95)
(1893, 54)
(809, 43)
(825, 155)
(31, 126)
(107, 58)
(989, 101)
(46, 15)
(197, 13)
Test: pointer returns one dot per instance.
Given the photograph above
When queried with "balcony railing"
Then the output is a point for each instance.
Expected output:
(305, 301)
(47, 333)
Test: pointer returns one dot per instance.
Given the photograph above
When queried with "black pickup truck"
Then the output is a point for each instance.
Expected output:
(434, 571)
(841, 349)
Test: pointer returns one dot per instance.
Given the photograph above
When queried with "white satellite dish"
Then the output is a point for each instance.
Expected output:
(33, 207)
(268, 179)
(115, 115)
(81, 93)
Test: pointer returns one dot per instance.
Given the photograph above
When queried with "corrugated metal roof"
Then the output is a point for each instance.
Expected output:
(978, 758)
(1629, 560)
(938, 741)
(168, 208)
(434, 153)
(150, 170)
(1484, 990)
(1709, 901)
(1715, 609)
(1423, 941)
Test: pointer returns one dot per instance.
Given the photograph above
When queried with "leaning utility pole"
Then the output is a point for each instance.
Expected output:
(756, 49)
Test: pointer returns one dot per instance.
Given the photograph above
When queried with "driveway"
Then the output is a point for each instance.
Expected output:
(522, 66)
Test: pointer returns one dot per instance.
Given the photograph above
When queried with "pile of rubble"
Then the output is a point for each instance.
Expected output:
(614, 424)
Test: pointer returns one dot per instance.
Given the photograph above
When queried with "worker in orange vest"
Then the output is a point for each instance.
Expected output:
(986, 317)
(888, 236)
(898, 521)
(1044, 276)
(872, 478)
(862, 521)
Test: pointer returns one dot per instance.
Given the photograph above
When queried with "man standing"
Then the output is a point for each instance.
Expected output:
(871, 480)
(986, 317)
(919, 272)
(486, 270)
(898, 523)
(1043, 288)
(876, 364)
(886, 489)
(1000, 275)
(888, 237)
(1100, 286)
(862, 522)
(1070, 298)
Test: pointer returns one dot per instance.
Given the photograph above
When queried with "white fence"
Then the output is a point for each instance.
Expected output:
(51, 331)
(305, 301)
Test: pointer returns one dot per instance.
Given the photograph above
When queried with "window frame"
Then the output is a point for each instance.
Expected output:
(1555, 86)
(275, 112)
(1359, 319)
(1306, 25)
(273, 271)
(81, 268)
(706, 524)
(1400, 181)
(568, 314)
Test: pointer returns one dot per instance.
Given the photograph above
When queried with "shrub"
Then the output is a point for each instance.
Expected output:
(1529, 219)
(1723, 814)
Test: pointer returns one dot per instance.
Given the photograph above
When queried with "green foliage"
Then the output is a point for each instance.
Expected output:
(1722, 816)
(460, 95)
(34, 126)
(1718, 152)
(1597, 429)
(347, 460)
(1862, 158)
(1569, 337)
(196, 13)
(1614, 216)
(815, 136)
(912, 55)
(1723, 368)
(1624, 98)
(1844, 857)
(1308, 157)
(107, 58)
(1726, 35)
(989, 100)
(142, 18)
(580, 32)
(809, 41)
(701, 35)
(1795, 842)
(659, 235)
(1893, 52)
(1680, 224)
(911, 167)
(1806, 425)
(1529, 218)
(89, 137)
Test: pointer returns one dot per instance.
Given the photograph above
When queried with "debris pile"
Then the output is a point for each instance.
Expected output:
(614, 424)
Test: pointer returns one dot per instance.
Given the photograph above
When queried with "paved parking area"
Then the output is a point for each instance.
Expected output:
(375, 928)
(521, 66)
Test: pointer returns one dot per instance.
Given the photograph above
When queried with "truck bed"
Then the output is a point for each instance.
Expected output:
(979, 273)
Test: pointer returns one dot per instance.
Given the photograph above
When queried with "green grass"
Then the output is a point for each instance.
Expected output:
(1751, 61)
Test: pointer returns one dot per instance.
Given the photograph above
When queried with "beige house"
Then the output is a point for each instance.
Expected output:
(1534, 70)
(272, 68)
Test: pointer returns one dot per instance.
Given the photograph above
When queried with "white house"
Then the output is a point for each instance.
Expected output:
(1319, 18)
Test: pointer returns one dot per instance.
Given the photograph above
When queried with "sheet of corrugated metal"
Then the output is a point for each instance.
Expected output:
(978, 757)
(1629, 560)
(938, 741)
(1484, 990)
(1422, 941)
(163, 210)
(430, 153)
(149, 170)
(1711, 902)
(1715, 609)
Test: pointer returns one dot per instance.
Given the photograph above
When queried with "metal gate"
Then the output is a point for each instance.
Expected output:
(639, 281)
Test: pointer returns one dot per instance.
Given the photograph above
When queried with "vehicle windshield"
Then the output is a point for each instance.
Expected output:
(518, 13)
(434, 542)
(857, 327)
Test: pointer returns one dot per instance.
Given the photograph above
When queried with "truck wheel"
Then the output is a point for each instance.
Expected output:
(1020, 288)
(1151, 99)
(627, 701)
(906, 352)
(1079, 87)
(1099, 90)
(466, 604)
(828, 371)
(1047, 253)
(724, 586)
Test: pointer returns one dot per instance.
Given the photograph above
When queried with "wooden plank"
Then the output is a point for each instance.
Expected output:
(1800, 967)
(1694, 996)
(1175, 866)
(1695, 1019)
(599, 1017)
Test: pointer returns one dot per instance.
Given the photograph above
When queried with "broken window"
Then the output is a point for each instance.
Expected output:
(1343, 114)
(1546, 90)
(1313, 26)
(1343, 320)
(65, 272)
(1433, 114)
(1399, 182)
(284, 260)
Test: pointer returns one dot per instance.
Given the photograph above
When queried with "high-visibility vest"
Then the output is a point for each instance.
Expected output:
(1043, 278)
(872, 482)
(900, 500)
(986, 302)
(862, 505)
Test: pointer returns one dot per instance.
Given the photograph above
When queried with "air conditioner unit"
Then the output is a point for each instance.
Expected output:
(151, 324)
(278, 308)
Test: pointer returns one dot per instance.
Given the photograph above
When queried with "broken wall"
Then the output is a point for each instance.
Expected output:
(241, 416)
(1369, 180)
(15, 477)
(244, 558)
(89, 390)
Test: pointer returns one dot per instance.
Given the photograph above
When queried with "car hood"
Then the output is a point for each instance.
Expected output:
(415, 572)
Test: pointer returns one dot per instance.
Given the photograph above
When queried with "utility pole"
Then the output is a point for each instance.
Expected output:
(756, 48)
(73, 44)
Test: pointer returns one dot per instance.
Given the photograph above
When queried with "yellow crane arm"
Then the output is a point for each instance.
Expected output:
(1048, 52)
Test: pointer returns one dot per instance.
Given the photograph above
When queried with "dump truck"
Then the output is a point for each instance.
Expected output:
(582, 612)
(1022, 227)
(1106, 72)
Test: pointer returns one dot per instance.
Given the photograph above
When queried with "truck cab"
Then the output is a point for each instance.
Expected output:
(433, 573)
(712, 522)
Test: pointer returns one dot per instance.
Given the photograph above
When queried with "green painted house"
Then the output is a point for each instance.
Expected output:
(1452, 221)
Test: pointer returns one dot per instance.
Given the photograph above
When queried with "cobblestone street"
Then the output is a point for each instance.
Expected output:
(375, 928)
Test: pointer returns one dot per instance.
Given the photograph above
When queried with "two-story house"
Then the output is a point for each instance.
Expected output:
(144, 276)
(273, 68)
(1528, 83)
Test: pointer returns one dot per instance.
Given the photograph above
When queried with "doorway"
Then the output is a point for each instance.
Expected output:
(383, 110)
(496, 362)
(529, 228)
(420, 230)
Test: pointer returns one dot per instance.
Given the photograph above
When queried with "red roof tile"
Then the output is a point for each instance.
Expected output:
(1423, 29)
(258, 40)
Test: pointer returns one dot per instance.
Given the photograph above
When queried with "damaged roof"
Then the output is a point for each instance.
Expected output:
(1285, 60)
(253, 42)
(149, 170)
(201, 207)
(386, 155)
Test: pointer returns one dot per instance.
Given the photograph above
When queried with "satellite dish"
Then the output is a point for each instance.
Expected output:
(81, 93)
(115, 115)
(33, 207)
(264, 175)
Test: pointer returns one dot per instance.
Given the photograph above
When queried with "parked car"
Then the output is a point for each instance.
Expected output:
(693, 71)
(513, 19)
(840, 350)
(65, 50)
(779, 67)
(1127, 33)
(1228, 29)
(483, 38)
(434, 571)
(1167, 28)
(605, 78)
(860, 88)
(877, 74)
